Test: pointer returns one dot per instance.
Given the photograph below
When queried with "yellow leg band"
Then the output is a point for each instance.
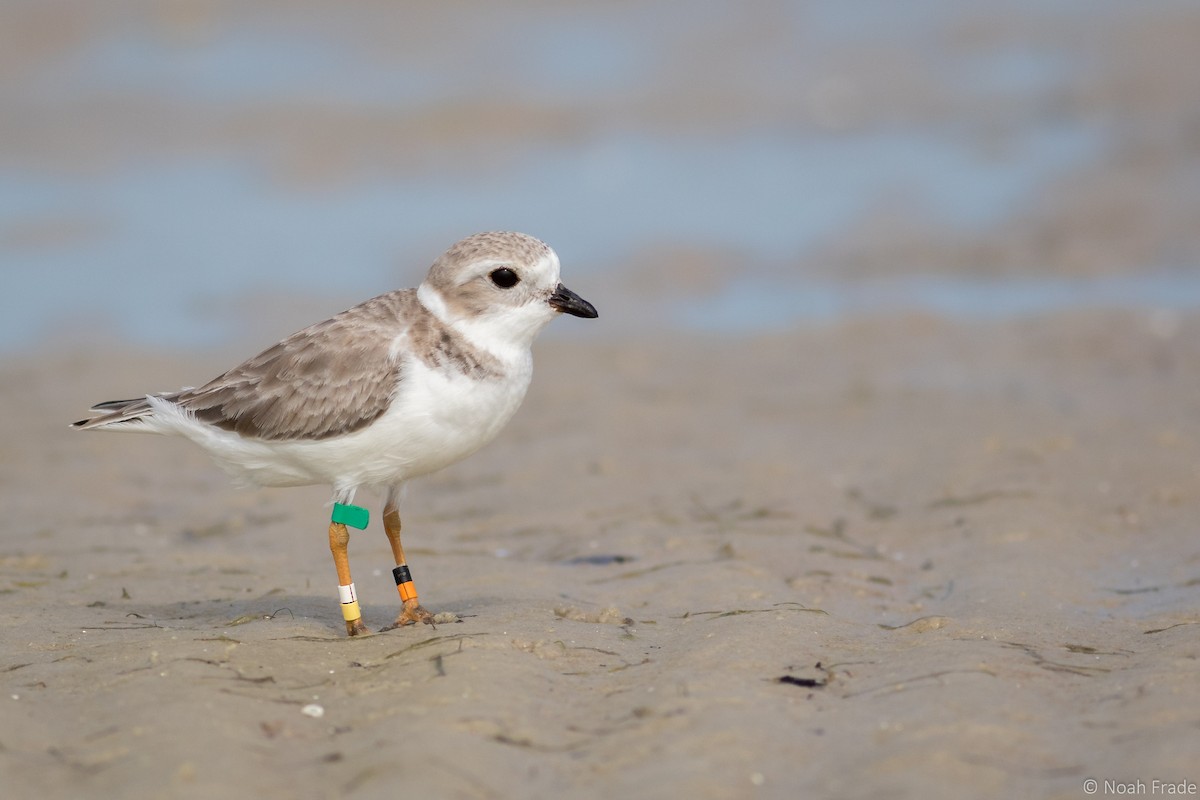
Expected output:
(350, 611)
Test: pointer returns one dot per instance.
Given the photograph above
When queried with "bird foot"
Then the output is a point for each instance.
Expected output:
(413, 613)
(356, 627)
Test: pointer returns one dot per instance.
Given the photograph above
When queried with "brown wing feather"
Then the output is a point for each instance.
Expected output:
(329, 379)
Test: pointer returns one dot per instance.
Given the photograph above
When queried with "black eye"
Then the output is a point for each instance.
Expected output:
(505, 278)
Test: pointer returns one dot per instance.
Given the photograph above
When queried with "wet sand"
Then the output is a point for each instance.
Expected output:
(887, 558)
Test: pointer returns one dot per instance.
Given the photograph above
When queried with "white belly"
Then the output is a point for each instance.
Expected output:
(437, 417)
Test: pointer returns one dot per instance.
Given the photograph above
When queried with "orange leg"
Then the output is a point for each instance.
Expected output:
(412, 612)
(339, 540)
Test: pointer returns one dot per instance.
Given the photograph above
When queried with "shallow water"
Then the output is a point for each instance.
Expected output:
(757, 305)
(171, 237)
(152, 243)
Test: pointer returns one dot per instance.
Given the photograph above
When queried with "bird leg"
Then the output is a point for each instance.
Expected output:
(339, 540)
(412, 612)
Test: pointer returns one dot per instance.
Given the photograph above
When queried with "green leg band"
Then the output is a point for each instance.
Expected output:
(354, 516)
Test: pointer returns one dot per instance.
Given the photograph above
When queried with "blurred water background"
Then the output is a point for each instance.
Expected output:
(173, 170)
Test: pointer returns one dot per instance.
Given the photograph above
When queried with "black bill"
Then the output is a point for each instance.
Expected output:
(565, 300)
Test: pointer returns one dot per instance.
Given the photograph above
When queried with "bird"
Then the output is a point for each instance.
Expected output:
(396, 387)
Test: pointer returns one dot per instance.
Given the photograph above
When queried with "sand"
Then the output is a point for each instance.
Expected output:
(896, 557)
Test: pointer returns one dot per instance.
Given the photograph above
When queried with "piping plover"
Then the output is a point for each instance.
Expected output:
(398, 386)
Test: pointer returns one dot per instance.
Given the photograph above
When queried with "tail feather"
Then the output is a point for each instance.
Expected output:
(116, 412)
(116, 405)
